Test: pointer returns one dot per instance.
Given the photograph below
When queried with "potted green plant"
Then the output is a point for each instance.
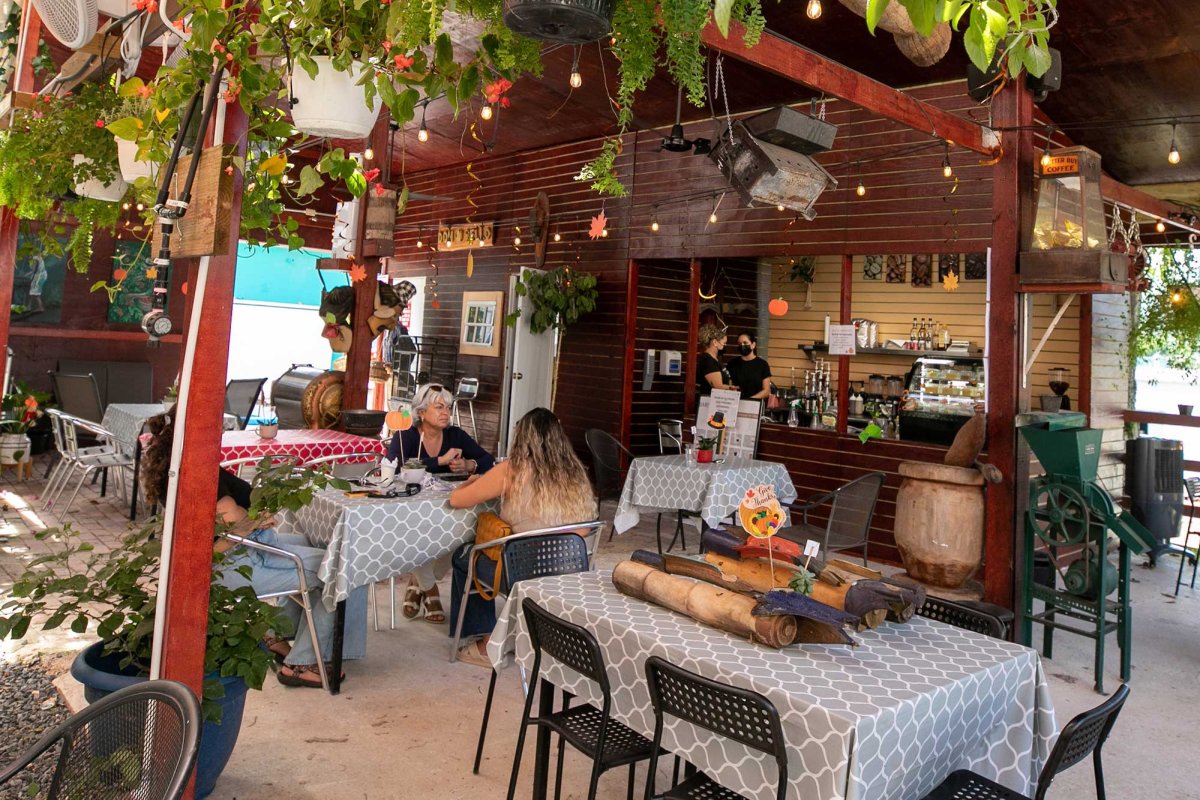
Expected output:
(704, 449)
(21, 409)
(116, 592)
(125, 124)
(557, 299)
(171, 397)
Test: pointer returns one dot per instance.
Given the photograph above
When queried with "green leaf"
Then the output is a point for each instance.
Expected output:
(127, 128)
(443, 53)
(973, 43)
(721, 11)
(875, 9)
(402, 201)
(356, 183)
(79, 624)
(921, 12)
(310, 180)
(1037, 59)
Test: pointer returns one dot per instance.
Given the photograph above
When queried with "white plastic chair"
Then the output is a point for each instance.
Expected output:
(60, 469)
(109, 458)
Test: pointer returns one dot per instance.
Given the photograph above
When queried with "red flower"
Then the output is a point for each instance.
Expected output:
(145, 90)
(217, 47)
(493, 90)
(387, 44)
(504, 102)
(229, 170)
(99, 123)
(403, 61)
(380, 189)
(371, 174)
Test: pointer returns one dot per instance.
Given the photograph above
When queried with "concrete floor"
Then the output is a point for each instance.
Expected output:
(406, 721)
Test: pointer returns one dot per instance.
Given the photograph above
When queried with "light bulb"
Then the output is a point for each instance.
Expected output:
(423, 133)
(141, 207)
(557, 236)
(604, 232)
(814, 9)
(1045, 159)
(517, 241)
(1173, 156)
(1160, 226)
(486, 112)
(576, 80)
(654, 226)
(369, 154)
(947, 170)
(126, 206)
(420, 244)
(861, 190)
(712, 218)
(1176, 297)
(779, 207)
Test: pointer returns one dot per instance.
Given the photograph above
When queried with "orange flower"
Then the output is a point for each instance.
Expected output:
(371, 174)
(403, 61)
(493, 90)
(145, 90)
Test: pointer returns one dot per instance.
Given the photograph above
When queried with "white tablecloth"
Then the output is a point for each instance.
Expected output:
(711, 490)
(370, 539)
(887, 720)
(125, 421)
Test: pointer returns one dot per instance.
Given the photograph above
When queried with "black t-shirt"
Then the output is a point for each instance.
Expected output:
(705, 365)
(230, 485)
(748, 375)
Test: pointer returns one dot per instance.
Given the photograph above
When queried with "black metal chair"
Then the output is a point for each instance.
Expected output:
(851, 508)
(670, 435)
(738, 714)
(78, 395)
(590, 730)
(1083, 735)
(138, 742)
(241, 396)
(533, 557)
(607, 456)
(961, 616)
(1193, 489)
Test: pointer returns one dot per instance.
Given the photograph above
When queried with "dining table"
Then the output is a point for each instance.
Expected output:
(887, 719)
(306, 444)
(369, 539)
(711, 491)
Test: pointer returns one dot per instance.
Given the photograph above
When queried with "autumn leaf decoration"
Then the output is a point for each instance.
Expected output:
(950, 282)
(599, 223)
(358, 273)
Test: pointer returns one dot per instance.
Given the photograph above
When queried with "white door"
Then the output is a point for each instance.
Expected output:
(528, 368)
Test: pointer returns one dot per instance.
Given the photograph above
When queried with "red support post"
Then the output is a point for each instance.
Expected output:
(693, 352)
(843, 387)
(631, 309)
(1011, 194)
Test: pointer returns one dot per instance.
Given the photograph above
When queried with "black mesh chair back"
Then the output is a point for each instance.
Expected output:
(852, 510)
(78, 395)
(140, 742)
(1084, 735)
(670, 435)
(541, 556)
(566, 641)
(961, 616)
(729, 711)
(609, 457)
(241, 396)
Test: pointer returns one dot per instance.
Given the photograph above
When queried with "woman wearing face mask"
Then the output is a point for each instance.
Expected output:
(751, 373)
(709, 374)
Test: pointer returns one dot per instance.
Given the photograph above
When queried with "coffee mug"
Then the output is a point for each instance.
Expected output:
(387, 473)
(268, 431)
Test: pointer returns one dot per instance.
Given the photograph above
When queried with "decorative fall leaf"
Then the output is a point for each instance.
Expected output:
(152, 272)
(599, 223)
(435, 304)
(950, 282)
(358, 273)
(470, 263)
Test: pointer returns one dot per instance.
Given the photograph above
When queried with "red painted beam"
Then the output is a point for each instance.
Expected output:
(1011, 185)
(796, 62)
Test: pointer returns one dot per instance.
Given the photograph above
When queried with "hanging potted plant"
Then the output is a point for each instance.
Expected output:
(21, 410)
(125, 123)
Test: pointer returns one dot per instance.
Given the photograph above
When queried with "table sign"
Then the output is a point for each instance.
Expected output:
(841, 340)
(761, 516)
(740, 437)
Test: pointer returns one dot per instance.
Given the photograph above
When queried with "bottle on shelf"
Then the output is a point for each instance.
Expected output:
(923, 336)
(912, 335)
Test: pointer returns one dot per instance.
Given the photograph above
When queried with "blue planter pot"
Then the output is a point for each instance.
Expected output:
(101, 674)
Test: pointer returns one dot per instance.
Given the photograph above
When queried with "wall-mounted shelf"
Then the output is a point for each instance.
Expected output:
(809, 349)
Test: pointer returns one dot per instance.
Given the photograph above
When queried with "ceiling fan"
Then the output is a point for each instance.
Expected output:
(674, 142)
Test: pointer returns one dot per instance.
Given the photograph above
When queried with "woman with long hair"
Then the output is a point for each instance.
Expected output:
(543, 484)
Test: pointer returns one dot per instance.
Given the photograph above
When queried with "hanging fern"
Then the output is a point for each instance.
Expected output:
(601, 171)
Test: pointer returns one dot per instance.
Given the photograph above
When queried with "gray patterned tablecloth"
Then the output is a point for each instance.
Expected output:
(887, 720)
(125, 421)
(712, 490)
(368, 539)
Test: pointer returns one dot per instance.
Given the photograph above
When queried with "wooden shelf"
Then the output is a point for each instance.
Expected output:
(1096, 287)
(1161, 418)
(893, 351)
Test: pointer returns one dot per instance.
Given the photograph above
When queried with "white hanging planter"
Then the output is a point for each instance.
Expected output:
(14, 448)
(94, 189)
(333, 105)
(131, 168)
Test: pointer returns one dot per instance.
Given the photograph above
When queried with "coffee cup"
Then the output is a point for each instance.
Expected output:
(387, 472)
(268, 431)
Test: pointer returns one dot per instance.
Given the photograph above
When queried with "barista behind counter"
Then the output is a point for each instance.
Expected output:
(749, 372)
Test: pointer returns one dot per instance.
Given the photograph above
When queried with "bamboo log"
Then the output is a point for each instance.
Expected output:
(704, 603)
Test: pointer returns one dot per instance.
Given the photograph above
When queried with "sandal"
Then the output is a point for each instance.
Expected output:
(278, 646)
(412, 600)
(433, 610)
(303, 675)
(469, 654)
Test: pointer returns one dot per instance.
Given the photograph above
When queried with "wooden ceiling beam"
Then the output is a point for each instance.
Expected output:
(1114, 191)
(796, 62)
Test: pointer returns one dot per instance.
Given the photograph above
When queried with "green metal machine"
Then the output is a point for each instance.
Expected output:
(1070, 517)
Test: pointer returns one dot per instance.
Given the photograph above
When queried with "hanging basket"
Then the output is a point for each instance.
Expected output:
(131, 168)
(566, 21)
(95, 190)
(333, 104)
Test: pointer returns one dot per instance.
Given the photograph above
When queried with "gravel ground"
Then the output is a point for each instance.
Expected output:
(29, 706)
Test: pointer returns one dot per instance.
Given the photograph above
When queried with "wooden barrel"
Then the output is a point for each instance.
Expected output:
(939, 522)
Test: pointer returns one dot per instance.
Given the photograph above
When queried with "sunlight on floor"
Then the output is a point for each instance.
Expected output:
(22, 507)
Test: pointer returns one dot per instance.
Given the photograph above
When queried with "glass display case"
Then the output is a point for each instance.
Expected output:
(940, 398)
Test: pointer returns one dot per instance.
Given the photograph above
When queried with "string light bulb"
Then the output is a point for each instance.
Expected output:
(779, 207)
(713, 217)
(486, 111)
(142, 207)
(423, 132)
(517, 241)
(1160, 226)
(1046, 150)
(369, 154)
(654, 224)
(576, 79)
(1176, 296)
(1173, 153)
(814, 9)
(604, 232)
(862, 189)
(557, 236)
(420, 236)
(947, 170)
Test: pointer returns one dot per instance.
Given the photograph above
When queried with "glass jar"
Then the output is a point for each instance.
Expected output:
(875, 385)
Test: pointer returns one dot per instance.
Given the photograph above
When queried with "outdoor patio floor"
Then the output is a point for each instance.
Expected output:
(406, 721)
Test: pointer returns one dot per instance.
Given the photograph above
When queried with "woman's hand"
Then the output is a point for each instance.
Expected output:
(453, 454)
(463, 465)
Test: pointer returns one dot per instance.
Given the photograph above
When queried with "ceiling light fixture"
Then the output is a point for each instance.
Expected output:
(423, 132)
(486, 111)
(576, 79)
(947, 170)
(814, 9)
(1173, 153)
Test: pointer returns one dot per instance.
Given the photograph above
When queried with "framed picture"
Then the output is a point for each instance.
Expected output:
(479, 332)
(38, 283)
(976, 269)
(129, 304)
(895, 268)
(873, 268)
(922, 270)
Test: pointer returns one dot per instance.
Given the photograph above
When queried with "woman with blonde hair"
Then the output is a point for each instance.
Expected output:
(709, 373)
(543, 484)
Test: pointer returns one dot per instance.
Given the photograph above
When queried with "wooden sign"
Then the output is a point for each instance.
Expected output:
(465, 237)
(381, 224)
(1062, 164)
(204, 230)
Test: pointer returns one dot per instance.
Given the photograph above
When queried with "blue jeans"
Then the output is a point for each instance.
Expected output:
(480, 616)
(271, 573)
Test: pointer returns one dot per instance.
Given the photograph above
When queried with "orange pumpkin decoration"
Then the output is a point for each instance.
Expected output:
(777, 307)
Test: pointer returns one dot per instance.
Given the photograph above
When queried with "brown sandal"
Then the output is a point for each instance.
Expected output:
(278, 646)
(412, 600)
(434, 614)
(304, 675)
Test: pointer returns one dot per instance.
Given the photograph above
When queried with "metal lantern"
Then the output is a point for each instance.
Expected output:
(563, 21)
(765, 173)
(1068, 241)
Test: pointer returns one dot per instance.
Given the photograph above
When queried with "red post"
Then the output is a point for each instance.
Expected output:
(693, 352)
(843, 387)
(195, 502)
(631, 298)
(1011, 193)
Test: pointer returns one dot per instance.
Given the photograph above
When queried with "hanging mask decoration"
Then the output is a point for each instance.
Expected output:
(337, 305)
(390, 302)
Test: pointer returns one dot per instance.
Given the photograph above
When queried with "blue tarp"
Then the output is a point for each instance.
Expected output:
(279, 275)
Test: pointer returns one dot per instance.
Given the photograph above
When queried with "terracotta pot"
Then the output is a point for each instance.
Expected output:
(704, 456)
(939, 522)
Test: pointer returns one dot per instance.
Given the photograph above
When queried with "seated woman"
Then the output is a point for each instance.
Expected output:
(442, 448)
(541, 485)
(269, 573)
